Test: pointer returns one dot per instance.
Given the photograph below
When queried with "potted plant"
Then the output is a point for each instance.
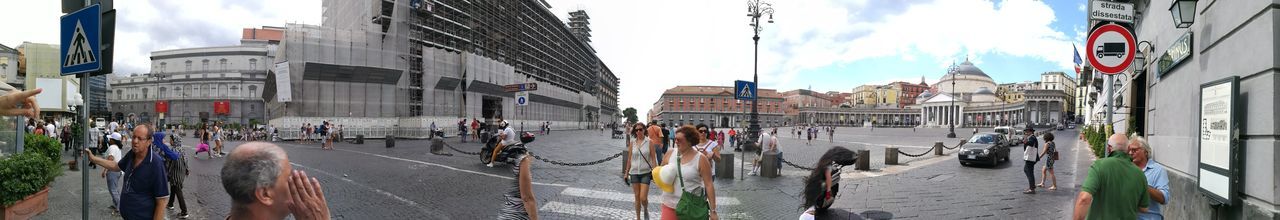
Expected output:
(25, 177)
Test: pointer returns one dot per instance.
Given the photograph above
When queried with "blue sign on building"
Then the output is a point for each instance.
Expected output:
(744, 90)
(80, 45)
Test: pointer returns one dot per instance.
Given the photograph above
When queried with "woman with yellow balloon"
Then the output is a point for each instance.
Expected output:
(686, 173)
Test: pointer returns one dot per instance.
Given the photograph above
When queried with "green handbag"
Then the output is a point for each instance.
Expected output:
(691, 205)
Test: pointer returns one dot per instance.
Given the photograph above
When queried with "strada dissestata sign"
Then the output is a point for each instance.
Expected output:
(1112, 11)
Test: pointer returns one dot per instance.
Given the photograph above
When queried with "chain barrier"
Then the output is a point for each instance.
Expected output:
(446, 144)
(916, 155)
(957, 145)
(796, 166)
(619, 154)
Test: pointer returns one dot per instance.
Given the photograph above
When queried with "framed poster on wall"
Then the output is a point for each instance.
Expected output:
(1217, 141)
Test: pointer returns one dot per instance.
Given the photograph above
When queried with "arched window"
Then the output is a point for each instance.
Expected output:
(161, 94)
(188, 65)
(204, 65)
(178, 92)
(223, 63)
(253, 64)
(119, 94)
(162, 66)
(253, 91)
(235, 91)
(144, 93)
(222, 90)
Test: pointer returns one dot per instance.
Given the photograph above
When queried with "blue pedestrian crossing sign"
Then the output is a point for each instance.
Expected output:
(744, 90)
(80, 45)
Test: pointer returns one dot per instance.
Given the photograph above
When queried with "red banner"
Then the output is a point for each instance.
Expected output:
(222, 107)
(162, 106)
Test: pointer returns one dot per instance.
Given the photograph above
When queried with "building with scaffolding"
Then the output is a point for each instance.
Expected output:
(436, 62)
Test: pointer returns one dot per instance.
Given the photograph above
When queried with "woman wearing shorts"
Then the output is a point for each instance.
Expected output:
(1050, 149)
(639, 164)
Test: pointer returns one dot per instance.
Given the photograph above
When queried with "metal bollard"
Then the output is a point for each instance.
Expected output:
(437, 146)
(769, 165)
(391, 141)
(724, 167)
(937, 148)
(890, 156)
(864, 160)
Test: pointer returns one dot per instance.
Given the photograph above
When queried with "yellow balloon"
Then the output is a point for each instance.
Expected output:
(657, 180)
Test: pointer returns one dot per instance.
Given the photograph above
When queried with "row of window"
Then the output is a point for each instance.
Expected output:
(716, 104)
(223, 65)
(221, 90)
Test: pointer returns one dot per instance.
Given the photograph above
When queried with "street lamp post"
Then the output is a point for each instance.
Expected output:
(755, 10)
(951, 109)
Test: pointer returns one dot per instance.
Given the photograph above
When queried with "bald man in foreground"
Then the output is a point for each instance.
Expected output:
(263, 185)
(1115, 188)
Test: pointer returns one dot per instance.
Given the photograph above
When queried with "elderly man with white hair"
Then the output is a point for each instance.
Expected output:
(1115, 188)
(1157, 180)
(263, 185)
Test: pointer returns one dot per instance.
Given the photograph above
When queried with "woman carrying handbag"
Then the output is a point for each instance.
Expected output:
(698, 202)
(1051, 155)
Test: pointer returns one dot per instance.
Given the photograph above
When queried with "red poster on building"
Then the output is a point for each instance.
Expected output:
(222, 107)
(162, 106)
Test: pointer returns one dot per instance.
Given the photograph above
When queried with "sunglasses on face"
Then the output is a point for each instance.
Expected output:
(141, 138)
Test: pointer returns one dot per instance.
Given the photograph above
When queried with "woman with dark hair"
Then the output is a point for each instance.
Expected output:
(822, 184)
(686, 160)
(640, 162)
(708, 145)
(1046, 173)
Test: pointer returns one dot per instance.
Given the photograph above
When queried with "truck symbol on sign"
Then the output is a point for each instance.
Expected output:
(1110, 49)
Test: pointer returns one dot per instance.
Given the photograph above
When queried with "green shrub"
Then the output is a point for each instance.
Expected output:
(27, 173)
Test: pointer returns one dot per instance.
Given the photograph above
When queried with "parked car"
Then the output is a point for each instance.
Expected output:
(1071, 126)
(1060, 127)
(986, 148)
(1007, 131)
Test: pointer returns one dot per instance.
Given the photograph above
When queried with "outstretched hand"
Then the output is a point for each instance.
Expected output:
(9, 104)
(306, 197)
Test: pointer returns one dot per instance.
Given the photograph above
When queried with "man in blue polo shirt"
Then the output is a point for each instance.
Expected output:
(146, 188)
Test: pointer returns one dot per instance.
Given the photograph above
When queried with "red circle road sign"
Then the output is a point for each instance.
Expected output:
(1110, 49)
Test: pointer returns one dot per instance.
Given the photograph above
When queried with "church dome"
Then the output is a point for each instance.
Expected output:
(967, 68)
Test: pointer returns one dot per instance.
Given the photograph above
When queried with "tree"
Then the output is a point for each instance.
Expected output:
(630, 113)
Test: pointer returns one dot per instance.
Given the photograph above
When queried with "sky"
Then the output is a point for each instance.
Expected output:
(824, 45)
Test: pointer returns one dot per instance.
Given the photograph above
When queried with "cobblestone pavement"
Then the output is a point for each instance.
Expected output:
(369, 181)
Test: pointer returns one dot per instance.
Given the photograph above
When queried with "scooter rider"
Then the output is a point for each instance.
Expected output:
(507, 136)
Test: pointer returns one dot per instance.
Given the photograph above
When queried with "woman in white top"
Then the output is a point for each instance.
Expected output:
(709, 148)
(639, 165)
(695, 173)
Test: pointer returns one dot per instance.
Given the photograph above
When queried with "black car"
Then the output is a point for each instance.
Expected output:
(986, 148)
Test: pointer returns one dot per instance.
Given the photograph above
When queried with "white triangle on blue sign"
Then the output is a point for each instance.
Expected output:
(746, 91)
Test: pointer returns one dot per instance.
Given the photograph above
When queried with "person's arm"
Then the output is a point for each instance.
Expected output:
(704, 168)
(1083, 200)
(653, 153)
(1159, 192)
(158, 213)
(827, 174)
(106, 164)
(626, 164)
(526, 189)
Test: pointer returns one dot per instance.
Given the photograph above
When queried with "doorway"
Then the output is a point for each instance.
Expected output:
(491, 109)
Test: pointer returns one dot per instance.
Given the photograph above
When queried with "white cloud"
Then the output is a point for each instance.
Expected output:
(146, 26)
(1083, 7)
(704, 43)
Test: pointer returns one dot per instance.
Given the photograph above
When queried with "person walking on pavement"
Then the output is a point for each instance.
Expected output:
(687, 160)
(146, 187)
(1051, 155)
(203, 146)
(768, 143)
(262, 185)
(177, 172)
(640, 161)
(733, 138)
(665, 140)
(217, 139)
(707, 146)
(113, 177)
(1030, 155)
(823, 183)
(475, 128)
(1157, 179)
(1115, 188)
(462, 128)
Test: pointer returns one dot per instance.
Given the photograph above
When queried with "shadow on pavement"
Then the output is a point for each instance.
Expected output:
(846, 214)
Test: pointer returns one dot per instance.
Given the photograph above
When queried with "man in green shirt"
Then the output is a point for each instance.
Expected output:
(1115, 188)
